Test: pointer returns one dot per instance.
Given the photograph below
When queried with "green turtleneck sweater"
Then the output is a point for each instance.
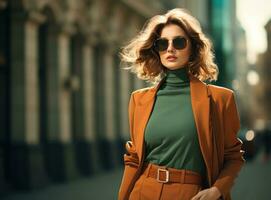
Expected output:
(170, 136)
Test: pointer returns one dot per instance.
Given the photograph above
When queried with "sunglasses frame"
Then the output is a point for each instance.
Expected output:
(177, 37)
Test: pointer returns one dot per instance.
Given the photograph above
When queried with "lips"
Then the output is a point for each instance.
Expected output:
(171, 58)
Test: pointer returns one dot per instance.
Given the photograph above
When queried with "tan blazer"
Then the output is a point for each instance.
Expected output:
(222, 156)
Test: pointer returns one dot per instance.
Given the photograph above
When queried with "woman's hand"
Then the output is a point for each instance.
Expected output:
(208, 194)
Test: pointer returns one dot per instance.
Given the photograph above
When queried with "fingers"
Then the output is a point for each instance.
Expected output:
(197, 197)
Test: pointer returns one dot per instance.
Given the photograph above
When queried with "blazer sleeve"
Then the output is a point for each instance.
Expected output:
(233, 155)
(131, 161)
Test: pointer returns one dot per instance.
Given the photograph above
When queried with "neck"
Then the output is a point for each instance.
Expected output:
(177, 75)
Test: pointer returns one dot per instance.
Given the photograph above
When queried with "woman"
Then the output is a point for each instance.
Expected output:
(183, 131)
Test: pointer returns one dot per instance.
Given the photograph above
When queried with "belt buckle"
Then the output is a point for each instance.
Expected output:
(158, 175)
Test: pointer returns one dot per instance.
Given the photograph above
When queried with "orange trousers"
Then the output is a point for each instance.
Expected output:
(148, 188)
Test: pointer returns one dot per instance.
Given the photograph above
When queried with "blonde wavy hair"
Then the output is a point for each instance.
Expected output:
(141, 58)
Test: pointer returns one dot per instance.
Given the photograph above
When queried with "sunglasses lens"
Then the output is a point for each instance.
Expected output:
(161, 44)
(179, 43)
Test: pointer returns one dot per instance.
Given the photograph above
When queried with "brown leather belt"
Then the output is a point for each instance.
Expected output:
(170, 175)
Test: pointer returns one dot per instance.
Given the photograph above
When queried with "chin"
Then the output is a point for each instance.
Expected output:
(173, 66)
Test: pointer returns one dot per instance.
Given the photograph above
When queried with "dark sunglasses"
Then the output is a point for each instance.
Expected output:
(178, 42)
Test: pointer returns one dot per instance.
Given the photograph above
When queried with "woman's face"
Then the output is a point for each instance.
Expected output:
(172, 57)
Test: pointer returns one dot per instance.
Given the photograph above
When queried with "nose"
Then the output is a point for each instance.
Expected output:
(170, 47)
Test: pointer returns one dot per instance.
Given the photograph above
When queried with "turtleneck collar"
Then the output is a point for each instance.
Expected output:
(177, 76)
(176, 82)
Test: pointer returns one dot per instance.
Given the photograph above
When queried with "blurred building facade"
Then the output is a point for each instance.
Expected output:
(240, 83)
(261, 119)
(64, 98)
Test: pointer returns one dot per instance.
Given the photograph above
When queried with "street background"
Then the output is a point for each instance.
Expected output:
(253, 183)
(64, 95)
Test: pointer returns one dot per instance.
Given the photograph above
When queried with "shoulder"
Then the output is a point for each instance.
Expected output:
(221, 94)
(142, 91)
(220, 90)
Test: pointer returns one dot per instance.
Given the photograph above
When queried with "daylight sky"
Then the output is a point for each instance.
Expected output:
(253, 15)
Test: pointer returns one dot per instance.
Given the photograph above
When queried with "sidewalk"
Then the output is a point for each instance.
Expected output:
(254, 181)
(100, 187)
(253, 184)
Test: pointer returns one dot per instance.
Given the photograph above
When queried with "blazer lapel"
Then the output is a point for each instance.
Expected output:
(200, 106)
(201, 109)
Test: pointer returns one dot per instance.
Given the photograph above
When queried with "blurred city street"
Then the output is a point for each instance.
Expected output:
(253, 184)
(65, 89)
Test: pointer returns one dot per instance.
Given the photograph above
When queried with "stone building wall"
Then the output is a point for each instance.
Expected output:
(64, 98)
